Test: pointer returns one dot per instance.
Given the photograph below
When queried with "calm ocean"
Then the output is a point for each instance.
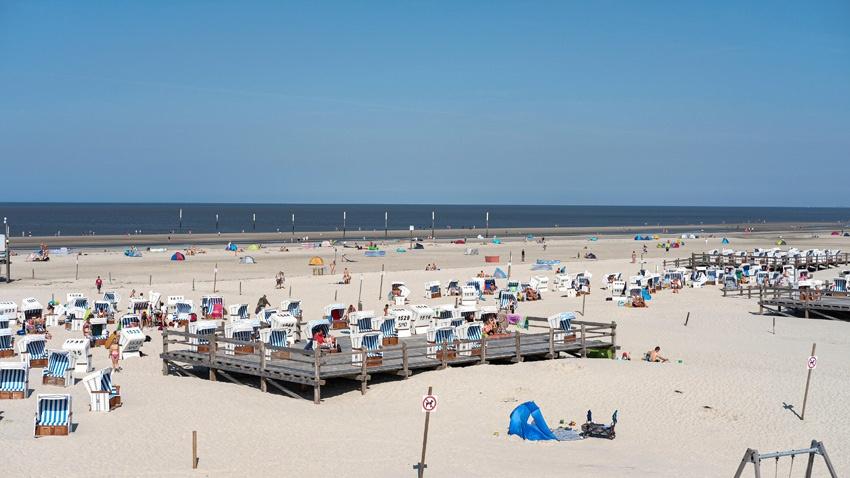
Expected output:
(84, 218)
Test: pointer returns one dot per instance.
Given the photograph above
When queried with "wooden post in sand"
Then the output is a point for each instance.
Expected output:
(194, 449)
(420, 467)
(811, 365)
(215, 276)
(381, 288)
(360, 294)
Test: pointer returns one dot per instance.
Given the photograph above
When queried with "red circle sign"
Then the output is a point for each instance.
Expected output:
(813, 362)
(429, 403)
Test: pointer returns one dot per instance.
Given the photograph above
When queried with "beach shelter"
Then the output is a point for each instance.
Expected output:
(254, 247)
(528, 423)
(781, 242)
(178, 256)
(418, 245)
(247, 260)
(316, 261)
(499, 274)
(724, 241)
(836, 233)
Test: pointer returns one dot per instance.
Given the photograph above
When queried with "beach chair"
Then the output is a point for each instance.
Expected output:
(839, 287)
(314, 326)
(420, 318)
(130, 342)
(468, 295)
(599, 430)
(469, 335)
(242, 331)
(80, 355)
(387, 326)
(202, 327)
(99, 330)
(238, 312)
(361, 321)
(276, 338)
(561, 324)
(58, 370)
(432, 290)
(293, 306)
(507, 299)
(371, 343)
(6, 342)
(209, 307)
(265, 315)
(335, 314)
(14, 380)
(33, 351)
(183, 310)
(403, 320)
(441, 342)
(53, 415)
(130, 320)
(104, 396)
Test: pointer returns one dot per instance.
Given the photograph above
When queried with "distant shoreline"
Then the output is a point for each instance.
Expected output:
(185, 239)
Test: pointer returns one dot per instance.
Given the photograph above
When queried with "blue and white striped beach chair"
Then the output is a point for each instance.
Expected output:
(129, 320)
(388, 327)
(561, 324)
(6, 342)
(438, 338)
(106, 386)
(470, 335)
(104, 395)
(53, 415)
(14, 380)
(58, 370)
(202, 327)
(33, 350)
(506, 300)
(370, 342)
(839, 285)
(364, 324)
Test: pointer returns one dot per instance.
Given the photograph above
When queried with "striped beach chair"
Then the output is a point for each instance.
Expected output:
(507, 299)
(129, 320)
(441, 342)
(839, 285)
(364, 324)
(370, 342)
(53, 415)
(388, 329)
(470, 335)
(58, 370)
(104, 396)
(242, 331)
(561, 324)
(14, 380)
(238, 312)
(202, 327)
(6, 342)
(33, 351)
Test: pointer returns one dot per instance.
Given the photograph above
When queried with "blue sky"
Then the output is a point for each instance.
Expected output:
(698, 103)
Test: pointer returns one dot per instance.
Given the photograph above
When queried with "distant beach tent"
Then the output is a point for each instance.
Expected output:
(529, 237)
(781, 242)
(497, 241)
(643, 238)
(254, 247)
(593, 238)
(178, 256)
(527, 422)
(418, 245)
(724, 241)
(499, 274)
(316, 261)
(836, 233)
(847, 234)
(247, 260)
(132, 252)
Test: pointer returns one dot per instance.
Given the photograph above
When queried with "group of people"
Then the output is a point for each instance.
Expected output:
(431, 267)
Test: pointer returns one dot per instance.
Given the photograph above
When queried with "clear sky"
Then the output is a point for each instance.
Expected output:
(597, 102)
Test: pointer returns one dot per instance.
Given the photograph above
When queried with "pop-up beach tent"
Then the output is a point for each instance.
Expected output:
(178, 256)
(528, 423)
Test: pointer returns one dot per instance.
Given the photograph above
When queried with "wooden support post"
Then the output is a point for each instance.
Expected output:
(164, 351)
(687, 318)
(749, 292)
(263, 385)
(381, 287)
(213, 345)
(150, 279)
(518, 347)
(808, 381)
(614, 339)
(583, 300)
(317, 376)
(363, 374)
(194, 449)
(551, 343)
(404, 360)
(583, 342)
(421, 466)
(240, 287)
(444, 358)
(193, 283)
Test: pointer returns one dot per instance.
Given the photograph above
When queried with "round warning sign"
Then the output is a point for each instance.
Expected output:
(813, 362)
(429, 403)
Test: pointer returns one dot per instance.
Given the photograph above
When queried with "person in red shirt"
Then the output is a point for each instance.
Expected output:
(98, 283)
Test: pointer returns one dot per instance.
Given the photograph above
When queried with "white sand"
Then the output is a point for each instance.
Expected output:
(732, 363)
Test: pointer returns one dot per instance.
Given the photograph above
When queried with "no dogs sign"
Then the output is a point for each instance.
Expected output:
(813, 362)
(429, 403)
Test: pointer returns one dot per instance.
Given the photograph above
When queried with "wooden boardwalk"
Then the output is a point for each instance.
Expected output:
(824, 261)
(277, 366)
(827, 307)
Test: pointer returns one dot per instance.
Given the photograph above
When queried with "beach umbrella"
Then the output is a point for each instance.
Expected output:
(316, 261)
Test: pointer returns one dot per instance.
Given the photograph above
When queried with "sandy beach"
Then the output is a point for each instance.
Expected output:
(728, 388)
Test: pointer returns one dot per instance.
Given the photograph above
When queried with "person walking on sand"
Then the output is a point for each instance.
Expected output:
(98, 283)
(523, 255)
(634, 257)
(333, 266)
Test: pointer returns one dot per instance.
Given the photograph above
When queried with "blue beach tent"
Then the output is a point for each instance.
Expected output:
(528, 423)
(499, 274)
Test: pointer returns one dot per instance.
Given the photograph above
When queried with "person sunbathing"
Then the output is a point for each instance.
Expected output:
(320, 340)
(655, 355)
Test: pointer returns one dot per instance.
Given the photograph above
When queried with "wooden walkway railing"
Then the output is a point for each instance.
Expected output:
(823, 261)
(277, 365)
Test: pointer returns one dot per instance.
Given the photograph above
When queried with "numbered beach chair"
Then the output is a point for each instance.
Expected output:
(403, 320)
(33, 350)
(104, 396)
(130, 342)
(53, 415)
(421, 316)
(14, 380)
(370, 342)
(58, 370)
